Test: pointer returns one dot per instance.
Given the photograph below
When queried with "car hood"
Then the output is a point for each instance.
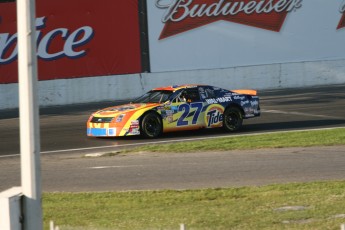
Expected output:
(121, 109)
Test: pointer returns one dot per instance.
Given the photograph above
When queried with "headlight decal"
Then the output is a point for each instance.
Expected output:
(120, 118)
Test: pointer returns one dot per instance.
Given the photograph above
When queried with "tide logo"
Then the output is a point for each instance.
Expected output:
(214, 116)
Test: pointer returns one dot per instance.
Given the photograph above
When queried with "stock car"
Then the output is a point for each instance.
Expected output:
(176, 108)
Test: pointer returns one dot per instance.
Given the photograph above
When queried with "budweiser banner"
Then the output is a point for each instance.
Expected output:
(75, 39)
(203, 34)
(180, 16)
(342, 20)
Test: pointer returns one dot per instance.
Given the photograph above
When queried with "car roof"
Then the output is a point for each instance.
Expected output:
(176, 87)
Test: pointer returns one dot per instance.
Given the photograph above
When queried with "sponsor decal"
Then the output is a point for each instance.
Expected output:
(183, 15)
(134, 131)
(254, 103)
(342, 20)
(237, 97)
(244, 103)
(167, 115)
(218, 100)
(248, 111)
(214, 116)
(120, 118)
(134, 128)
(112, 132)
(193, 109)
(135, 123)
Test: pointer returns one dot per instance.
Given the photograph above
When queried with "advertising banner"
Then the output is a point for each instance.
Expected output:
(207, 34)
(75, 39)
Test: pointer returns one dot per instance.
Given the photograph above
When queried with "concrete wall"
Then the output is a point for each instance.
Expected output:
(93, 89)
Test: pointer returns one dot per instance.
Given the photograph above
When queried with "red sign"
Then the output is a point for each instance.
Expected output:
(75, 39)
(186, 15)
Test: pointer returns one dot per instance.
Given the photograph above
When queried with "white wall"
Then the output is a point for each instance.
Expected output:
(93, 89)
(10, 209)
(308, 33)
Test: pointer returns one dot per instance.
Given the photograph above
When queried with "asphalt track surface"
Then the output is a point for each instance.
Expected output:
(63, 142)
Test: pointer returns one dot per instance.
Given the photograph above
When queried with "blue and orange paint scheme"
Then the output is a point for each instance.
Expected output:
(176, 108)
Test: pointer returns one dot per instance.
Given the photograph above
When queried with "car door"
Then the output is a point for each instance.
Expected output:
(212, 110)
(185, 112)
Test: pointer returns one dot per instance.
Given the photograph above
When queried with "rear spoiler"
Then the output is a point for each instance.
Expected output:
(251, 92)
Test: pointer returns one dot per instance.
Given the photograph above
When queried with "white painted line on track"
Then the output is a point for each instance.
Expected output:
(174, 141)
(301, 114)
(116, 166)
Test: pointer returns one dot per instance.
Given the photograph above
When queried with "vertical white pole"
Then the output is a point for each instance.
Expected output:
(29, 115)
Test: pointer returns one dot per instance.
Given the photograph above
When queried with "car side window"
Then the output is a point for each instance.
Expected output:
(207, 92)
(188, 95)
(192, 95)
(179, 98)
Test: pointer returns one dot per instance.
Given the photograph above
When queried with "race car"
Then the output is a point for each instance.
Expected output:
(176, 108)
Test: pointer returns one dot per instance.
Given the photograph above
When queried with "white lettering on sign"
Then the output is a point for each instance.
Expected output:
(342, 7)
(72, 40)
(178, 10)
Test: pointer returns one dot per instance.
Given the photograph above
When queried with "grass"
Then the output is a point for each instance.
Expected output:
(322, 204)
(328, 137)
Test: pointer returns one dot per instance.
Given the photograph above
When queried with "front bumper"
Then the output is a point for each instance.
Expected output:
(110, 130)
(101, 132)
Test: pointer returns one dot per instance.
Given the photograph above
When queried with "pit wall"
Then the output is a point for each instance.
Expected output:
(121, 87)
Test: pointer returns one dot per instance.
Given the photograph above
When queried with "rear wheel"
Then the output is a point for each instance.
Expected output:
(232, 119)
(151, 125)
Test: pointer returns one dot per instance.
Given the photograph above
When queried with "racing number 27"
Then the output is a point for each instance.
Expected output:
(186, 110)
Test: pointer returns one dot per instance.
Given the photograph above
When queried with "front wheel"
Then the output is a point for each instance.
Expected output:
(232, 119)
(151, 125)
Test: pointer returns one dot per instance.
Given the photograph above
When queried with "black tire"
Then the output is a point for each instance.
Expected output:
(232, 120)
(151, 125)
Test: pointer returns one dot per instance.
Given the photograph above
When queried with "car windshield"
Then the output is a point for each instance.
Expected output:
(154, 96)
